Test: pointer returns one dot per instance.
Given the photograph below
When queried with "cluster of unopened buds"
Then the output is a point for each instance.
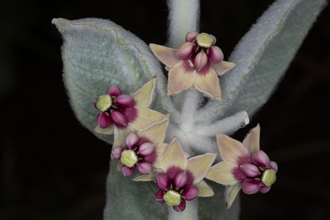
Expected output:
(139, 132)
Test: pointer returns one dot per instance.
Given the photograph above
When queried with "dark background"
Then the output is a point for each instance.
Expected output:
(53, 168)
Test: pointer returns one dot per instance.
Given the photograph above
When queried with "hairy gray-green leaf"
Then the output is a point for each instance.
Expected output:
(98, 54)
(131, 200)
(263, 55)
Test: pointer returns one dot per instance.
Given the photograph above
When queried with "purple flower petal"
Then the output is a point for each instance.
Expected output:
(273, 165)
(114, 91)
(146, 148)
(190, 193)
(119, 119)
(264, 189)
(159, 196)
(124, 101)
(261, 159)
(249, 169)
(181, 180)
(131, 140)
(127, 171)
(116, 152)
(215, 54)
(191, 36)
(181, 207)
(186, 50)
(103, 120)
(250, 186)
(163, 181)
(200, 60)
(144, 167)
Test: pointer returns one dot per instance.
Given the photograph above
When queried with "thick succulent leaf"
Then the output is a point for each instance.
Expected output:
(127, 199)
(98, 54)
(263, 55)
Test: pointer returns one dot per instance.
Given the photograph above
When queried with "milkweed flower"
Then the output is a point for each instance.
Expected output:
(180, 179)
(122, 113)
(195, 64)
(244, 166)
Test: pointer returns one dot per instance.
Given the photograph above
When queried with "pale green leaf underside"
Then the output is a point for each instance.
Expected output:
(98, 54)
(263, 55)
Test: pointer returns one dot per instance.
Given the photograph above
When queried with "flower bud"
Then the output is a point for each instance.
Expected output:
(190, 193)
(191, 36)
(181, 180)
(159, 196)
(127, 171)
(131, 140)
(181, 207)
(249, 169)
(162, 181)
(144, 167)
(116, 152)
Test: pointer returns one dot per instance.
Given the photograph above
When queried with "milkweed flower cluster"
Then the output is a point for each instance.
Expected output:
(139, 132)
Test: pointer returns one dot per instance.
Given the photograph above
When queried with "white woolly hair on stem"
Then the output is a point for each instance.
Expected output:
(190, 212)
(183, 18)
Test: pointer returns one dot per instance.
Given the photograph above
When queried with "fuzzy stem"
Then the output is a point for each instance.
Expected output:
(190, 102)
(183, 18)
(190, 213)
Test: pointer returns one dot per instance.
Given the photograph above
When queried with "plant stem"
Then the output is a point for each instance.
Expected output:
(183, 18)
(190, 212)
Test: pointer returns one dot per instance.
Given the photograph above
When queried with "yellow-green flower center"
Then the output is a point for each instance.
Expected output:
(128, 158)
(104, 102)
(204, 40)
(172, 198)
(268, 177)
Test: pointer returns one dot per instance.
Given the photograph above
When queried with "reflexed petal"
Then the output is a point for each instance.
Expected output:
(231, 193)
(160, 149)
(174, 156)
(208, 83)
(146, 118)
(215, 54)
(190, 193)
(204, 189)
(144, 167)
(222, 67)
(131, 140)
(250, 186)
(143, 96)
(114, 91)
(230, 149)
(146, 178)
(119, 137)
(261, 159)
(252, 140)
(166, 55)
(222, 173)
(200, 60)
(199, 166)
(124, 101)
(180, 78)
(106, 131)
(156, 132)
(186, 50)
